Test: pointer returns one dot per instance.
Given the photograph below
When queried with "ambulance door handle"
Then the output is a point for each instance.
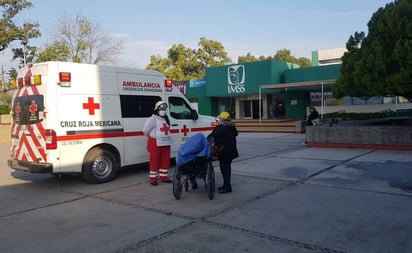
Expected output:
(175, 124)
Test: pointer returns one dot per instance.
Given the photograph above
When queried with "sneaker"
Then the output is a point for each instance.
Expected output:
(167, 181)
(154, 183)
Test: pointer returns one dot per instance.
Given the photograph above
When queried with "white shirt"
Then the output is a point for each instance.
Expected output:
(157, 127)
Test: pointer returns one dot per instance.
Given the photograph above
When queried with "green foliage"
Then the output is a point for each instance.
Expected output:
(185, 63)
(5, 109)
(304, 62)
(381, 63)
(211, 53)
(57, 51)
(27, 54)
(247, 58)
(9, 30)
(283, 55)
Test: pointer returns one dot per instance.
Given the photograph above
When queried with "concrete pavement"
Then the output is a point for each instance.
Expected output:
(5, 133)
(286, 198)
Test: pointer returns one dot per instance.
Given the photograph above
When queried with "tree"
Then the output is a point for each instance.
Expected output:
(247, 58)
(380, 64)
(27, 54)
(79, 40)
(10, 31)
(304, 62)
(349, 61)
(211, 53)
(57, 51)
(185, 63)
(283, 55)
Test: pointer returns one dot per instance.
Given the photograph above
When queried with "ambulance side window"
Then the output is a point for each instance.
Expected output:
(179, 109)
(134, 106)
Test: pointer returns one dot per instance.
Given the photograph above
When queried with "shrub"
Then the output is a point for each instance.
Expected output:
(4, 109)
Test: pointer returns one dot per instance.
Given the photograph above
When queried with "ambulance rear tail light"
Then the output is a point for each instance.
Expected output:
(65, 79)
(33, 80)
(51, 139)
(168, 84)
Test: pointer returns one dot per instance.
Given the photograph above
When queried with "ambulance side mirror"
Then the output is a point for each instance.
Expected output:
(194, 115)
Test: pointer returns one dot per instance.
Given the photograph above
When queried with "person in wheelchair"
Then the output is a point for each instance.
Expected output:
(192, 155)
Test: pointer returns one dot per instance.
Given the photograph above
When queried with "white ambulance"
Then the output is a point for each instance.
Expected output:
(88, 119)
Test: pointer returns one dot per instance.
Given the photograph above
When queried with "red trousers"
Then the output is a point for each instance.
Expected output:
(159, 160)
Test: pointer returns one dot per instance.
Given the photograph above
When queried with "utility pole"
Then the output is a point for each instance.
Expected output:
(2, 78)
(24, 42)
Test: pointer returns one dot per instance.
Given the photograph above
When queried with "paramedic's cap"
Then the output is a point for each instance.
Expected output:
(160, 105)
(224, 116)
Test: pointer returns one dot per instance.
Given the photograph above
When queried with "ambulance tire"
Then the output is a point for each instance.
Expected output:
(100, 166)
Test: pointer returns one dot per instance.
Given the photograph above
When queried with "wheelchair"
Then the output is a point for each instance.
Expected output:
(194, 160)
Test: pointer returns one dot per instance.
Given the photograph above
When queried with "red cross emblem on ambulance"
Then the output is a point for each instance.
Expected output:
(184, 130)
(17, 109)
(91, 105)
(33, 108)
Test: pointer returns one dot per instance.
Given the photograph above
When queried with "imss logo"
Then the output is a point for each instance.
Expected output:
(236, 79)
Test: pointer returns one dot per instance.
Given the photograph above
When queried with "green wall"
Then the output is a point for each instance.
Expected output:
(205, 103)
(312, 73)
(245, 78)
(295, 102)
(315, 58)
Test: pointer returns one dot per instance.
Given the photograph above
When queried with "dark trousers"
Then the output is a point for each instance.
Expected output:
(226, 169)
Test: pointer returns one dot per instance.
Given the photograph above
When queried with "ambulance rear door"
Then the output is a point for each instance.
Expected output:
(28, 134)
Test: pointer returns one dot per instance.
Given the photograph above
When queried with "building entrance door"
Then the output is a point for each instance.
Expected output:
(251, 109)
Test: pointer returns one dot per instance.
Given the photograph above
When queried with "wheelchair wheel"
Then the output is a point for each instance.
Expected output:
(186, 186)
(177, 185)
(210, 180)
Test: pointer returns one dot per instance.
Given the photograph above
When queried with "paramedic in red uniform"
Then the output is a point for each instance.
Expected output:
(157, 129)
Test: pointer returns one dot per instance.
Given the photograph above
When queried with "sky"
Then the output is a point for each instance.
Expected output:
(259, 27)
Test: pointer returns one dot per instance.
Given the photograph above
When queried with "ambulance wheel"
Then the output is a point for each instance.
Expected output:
(210, 179)
(177, 185)
(100, 166)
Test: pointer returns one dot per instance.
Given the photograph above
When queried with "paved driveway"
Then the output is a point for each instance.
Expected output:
(286, 198)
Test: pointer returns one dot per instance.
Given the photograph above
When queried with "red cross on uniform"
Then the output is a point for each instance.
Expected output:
(184, 130)
(33, 108)
(165, 129)
(91, 105)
